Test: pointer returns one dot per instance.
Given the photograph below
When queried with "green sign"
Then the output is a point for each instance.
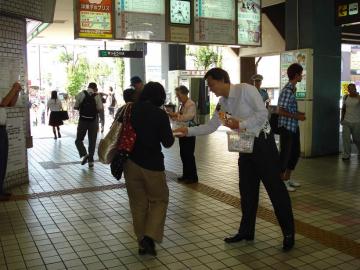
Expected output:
(121, 53)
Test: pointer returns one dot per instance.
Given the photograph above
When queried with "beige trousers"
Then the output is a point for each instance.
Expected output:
(148, 197)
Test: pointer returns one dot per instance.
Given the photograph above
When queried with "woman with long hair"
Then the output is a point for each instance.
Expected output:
(54, 105)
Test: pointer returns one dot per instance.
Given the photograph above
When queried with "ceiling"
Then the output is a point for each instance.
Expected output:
(61, 31)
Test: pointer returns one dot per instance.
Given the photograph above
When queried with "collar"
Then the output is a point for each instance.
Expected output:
(90, 91)
(232, 92)
(290, 86)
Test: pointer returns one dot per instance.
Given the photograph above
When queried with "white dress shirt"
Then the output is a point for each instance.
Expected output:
(244, 104)
(80, 97)
(54, 105)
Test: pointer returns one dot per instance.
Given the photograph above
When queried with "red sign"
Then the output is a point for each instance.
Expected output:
(95, 18)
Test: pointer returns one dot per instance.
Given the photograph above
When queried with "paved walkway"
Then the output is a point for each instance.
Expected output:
(73, 217)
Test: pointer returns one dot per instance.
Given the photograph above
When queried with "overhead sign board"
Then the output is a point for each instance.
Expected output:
(121, 53)
(94, 19)
(347, 11)
(249, 22)
(140, 19)
(214, 22)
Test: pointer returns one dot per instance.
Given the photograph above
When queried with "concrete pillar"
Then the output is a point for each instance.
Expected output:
(310, 24)
(137, 65)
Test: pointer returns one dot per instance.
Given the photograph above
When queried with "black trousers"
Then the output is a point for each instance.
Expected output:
(4, 151)
(187, 148)
(263, 164)
(289, 149)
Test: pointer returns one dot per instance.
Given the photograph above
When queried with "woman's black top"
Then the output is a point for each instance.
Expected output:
(152, 127)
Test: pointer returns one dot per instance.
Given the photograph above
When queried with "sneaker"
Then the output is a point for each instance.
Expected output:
(293, 183)
(288, 186)
(85, 159)
(91, 164)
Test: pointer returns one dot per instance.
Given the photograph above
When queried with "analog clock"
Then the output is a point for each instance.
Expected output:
(180, 11)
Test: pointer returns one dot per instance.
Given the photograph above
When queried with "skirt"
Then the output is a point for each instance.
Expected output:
(55, 119)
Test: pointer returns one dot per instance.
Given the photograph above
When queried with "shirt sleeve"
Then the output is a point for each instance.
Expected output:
(166, 136)
(99, 104)
(78, 99)
(189, 113)
(284, 100)
(260, 114)
(208, 128)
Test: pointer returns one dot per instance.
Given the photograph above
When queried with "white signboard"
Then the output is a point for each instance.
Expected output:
(214, 21)
(249, 22)
(143, 20)
(17, 146)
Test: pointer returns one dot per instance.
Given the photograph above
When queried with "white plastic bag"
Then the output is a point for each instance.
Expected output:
(240, 142)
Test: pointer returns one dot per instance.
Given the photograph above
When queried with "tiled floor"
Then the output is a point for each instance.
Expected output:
(72, 217)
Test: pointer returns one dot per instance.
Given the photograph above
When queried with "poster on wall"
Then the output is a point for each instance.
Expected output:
(94, 19)
(140, 20)
(214, 21)
(288, 58)
(249, 22)
(17, 154)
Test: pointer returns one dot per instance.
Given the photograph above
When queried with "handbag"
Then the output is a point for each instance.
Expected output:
(125, 146)
(63, 115)
(108, 145)
(240, 142)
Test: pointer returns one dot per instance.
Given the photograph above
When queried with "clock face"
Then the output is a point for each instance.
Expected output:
(180, 11)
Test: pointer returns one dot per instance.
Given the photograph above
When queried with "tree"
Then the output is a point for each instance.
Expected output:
(78, 76)
(205, 57)
(120, 66)
(77, 71)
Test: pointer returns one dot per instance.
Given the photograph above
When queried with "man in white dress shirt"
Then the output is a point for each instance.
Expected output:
(246, 111)
(8, 100)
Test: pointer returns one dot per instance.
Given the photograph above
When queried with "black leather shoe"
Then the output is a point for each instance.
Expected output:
(238, 237)
(289, 242)
(180, 179)
(148, 245)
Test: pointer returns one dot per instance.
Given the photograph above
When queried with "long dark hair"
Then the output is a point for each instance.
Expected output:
(153, 92)
(54, 95)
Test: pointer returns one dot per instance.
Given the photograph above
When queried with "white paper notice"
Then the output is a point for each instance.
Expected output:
(17, 147)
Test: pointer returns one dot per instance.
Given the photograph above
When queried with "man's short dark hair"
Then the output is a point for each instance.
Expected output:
(92, 85)
(134, 80)
(129, 95)
(182, 89)
(218, 74)
(153, 92)
(293, 70)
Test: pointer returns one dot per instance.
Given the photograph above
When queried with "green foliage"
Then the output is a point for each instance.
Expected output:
(77, 76)
(206, 57)
(120, 66)
(99, 73)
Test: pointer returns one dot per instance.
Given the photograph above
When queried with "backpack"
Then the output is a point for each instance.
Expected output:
(88, 111)
(274, 119)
